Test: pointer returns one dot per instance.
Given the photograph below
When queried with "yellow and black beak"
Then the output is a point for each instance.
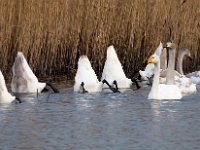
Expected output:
(150, 60)
(169, 44)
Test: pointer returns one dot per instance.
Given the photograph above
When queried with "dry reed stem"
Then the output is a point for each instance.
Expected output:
(53, 34)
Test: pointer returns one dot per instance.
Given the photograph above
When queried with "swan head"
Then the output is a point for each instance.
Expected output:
(169, 45)
(154, 59)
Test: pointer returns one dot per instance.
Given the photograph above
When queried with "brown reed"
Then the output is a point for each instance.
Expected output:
(54, 33)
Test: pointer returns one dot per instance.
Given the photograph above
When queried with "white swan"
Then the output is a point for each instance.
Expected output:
(161, 91)
(5, 96)
(113, 71)
(86, 79)
(185, 84)
(24, 80)
(170, 78)
(149, 69)
(195, 77)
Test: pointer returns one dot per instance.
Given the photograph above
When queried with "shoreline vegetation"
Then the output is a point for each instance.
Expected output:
(53, 34)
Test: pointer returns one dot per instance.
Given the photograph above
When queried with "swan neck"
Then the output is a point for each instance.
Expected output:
(172, 54)
(156, 78)
(163, 61)
(180, 62)
(170, 76)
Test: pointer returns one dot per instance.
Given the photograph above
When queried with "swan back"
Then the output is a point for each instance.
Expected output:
(166, 92)
(21, 68)
(195, 77)
(113, 70)
(2, 82)
(5, 96)
(86, 74)
(24, 80)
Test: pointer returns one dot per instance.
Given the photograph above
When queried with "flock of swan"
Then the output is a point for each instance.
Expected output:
(167, 83)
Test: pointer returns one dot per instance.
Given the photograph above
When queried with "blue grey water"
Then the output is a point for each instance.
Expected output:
(102, 121)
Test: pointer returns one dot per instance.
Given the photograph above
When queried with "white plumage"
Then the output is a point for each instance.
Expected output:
(149, 69)
(24, 80)
(5, 96)
(195, 77)
(162, 91)
(113, 70)
(86, 74)
(185, 84)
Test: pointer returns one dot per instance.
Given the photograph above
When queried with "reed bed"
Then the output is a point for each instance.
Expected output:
(54, 33)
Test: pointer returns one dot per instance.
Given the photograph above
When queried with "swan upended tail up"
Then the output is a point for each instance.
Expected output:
(149, 69)
(86, 77)
(24, 80)
(113, 70)
(161, 91)
(5, 96)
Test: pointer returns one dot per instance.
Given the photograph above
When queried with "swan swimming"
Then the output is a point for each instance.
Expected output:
(86, 79)
(181, 54)
(23, 79)
(113, 72)
(5, 96)
(195, 77)
(185, 84)
(161, 91)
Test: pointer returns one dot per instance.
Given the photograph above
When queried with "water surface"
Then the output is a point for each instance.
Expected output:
(101, 121)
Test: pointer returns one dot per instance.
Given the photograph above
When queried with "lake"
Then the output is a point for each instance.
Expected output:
(101, 121)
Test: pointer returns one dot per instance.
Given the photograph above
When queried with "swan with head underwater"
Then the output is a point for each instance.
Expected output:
(113, 74)
(5, 96)
(24, 80)
(149, 69)
(161, 91)
(86, 80)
